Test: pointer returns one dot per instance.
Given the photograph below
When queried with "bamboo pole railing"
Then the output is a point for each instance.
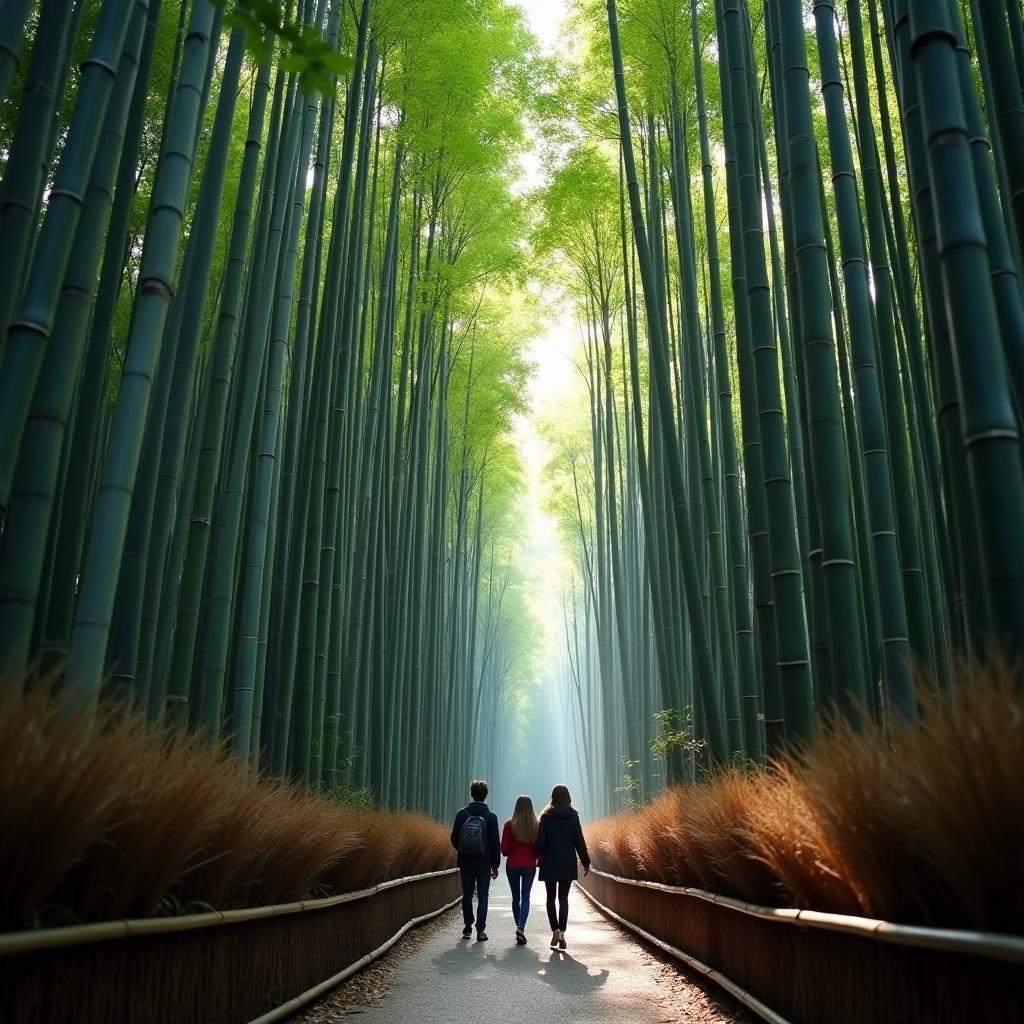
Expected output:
(801, 966)
(256, 964)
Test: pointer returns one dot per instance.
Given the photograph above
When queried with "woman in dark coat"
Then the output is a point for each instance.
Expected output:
(560, 840)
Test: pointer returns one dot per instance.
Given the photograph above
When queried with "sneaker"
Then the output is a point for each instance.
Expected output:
(481, 936)
(520, 937)
(467, 931)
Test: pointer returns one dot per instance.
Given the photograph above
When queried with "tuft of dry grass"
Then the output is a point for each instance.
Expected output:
(118, 818)
(783, 832)
(923, 825)
(613, 842)
(651, 858)
(718, 825)
(964, 783)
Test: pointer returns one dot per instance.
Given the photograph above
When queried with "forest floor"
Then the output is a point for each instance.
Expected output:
(434, 976)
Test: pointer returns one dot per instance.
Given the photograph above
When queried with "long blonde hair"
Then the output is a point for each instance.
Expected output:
(560, 797)
(524, 821)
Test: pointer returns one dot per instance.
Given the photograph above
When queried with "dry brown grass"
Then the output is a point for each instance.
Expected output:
(965, 783)
(925, 825)
(120, 819)
(648, 856)
(785, 834)
(613, 842)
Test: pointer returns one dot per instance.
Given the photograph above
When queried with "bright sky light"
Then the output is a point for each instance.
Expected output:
(545, 18)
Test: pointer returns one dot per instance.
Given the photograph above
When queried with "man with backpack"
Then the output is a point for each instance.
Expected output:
(475, 836)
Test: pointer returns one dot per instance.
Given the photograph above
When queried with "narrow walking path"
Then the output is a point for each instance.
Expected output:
(604, 975)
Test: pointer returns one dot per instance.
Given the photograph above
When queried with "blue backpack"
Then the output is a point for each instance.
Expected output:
(473, 837)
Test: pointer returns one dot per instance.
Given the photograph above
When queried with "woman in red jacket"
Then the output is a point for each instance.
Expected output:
(519, 845)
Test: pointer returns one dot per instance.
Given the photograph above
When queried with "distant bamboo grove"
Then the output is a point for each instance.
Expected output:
(268, 284)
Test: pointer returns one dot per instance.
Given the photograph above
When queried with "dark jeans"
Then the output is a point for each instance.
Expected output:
(478, 878)
(520, 880)
(558, 923)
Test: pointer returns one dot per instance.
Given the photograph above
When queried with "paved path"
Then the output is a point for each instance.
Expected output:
(604, 975)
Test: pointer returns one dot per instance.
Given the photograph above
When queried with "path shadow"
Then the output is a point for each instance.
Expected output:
(554, 967)
(569, 975)
(466, 956)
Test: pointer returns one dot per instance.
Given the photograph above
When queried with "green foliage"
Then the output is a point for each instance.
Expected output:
(305, 52)
(345, 790)
(672, 739)
(629, 789)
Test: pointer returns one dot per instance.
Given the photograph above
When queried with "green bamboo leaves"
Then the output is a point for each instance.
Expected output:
(265, 23)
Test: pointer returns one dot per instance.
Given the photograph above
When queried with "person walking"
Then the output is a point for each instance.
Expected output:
(519, 847)
(560, 841)
(475, 836)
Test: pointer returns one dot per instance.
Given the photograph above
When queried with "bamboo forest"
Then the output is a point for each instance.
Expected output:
(619, 396)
